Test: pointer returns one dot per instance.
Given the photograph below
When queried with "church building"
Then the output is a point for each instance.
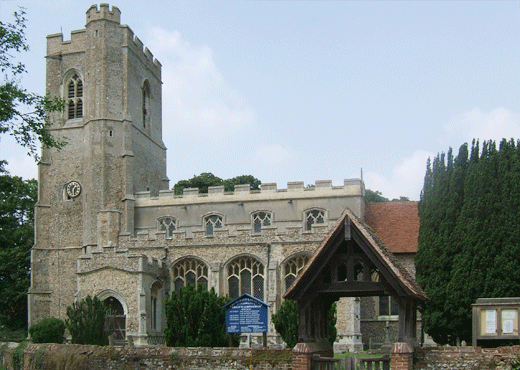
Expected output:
(108, 225)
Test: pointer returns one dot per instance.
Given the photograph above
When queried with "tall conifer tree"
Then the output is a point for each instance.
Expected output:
(469, 238)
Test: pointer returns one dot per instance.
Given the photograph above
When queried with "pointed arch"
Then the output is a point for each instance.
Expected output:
(292, 266)
(189, 270)
(145, 103)
(245, 274)
(314, 216)
(72, 92)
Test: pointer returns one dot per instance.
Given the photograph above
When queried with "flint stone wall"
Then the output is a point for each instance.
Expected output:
(467, 358)
(78, 357)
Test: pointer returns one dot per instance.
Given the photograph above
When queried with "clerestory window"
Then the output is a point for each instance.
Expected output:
(261, 219)
(75, 97)
(168, 224)
(211, 223)
(312, 217)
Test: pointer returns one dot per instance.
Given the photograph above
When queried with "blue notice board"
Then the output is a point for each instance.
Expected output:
(246, 314)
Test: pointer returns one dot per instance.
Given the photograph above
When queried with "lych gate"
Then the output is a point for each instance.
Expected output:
(350, 262)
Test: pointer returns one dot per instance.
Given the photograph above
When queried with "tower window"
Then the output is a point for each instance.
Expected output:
(146, 104)
(75, 97)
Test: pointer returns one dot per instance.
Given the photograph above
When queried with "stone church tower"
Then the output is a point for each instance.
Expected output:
(112, 125)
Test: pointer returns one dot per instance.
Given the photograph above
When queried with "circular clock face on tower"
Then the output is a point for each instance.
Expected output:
(73, 189)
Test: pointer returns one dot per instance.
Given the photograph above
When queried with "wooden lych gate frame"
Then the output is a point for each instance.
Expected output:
(351, 262)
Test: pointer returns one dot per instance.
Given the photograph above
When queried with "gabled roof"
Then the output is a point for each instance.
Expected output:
(348, 223)
(396, 224)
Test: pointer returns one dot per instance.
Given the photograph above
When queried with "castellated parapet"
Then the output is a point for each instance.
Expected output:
(56, 46)
(296, 189)
(104, 12)
(119, 259)
(288, 211)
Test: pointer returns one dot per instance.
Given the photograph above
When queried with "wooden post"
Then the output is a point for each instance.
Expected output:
(264, 339)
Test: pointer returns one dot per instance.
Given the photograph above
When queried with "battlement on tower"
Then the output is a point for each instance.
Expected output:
(56, 46)
(104, 12)
(136, 45)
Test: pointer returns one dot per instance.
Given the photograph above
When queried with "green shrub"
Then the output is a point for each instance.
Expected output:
(49, 330)
(195, 318)
(86, 322)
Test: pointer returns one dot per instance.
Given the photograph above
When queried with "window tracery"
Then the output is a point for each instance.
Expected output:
(314, 216)
(261, 219)
(75, 97)
(211, 223)
(167, 224)
(293, 267)
(190, 271)
(246, 275)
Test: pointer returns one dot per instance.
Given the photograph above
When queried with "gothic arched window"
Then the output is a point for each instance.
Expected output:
(75, 97)
(292, 268)
(146, 103)
(168, 224)
(246, 275)
(314, 216)
(261, 219)
(211, 223)
(190, 271)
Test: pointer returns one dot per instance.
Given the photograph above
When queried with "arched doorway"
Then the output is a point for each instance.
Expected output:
(115, 322)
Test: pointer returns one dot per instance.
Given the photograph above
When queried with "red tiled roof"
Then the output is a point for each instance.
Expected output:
(396, 224)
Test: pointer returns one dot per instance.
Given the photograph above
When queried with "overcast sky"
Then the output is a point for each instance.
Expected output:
(311, 90)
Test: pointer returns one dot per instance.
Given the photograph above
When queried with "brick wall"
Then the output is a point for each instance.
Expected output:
(77, 357)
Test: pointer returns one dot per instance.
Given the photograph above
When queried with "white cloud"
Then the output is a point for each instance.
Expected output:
(406, 180)
(275, 155)
(196, 97)
(475, 124)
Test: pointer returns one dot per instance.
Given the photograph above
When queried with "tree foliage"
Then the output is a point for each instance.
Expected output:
(22, 113)
(17, 201)
(195, 318)
(49, 330)
(372, 196)
(86, 322)
(469, 237)
(207, 179)
(286, 322)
